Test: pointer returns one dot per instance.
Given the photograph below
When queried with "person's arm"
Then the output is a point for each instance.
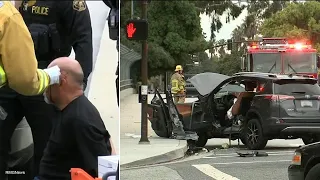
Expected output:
(113, 150)
(174, 84)
(91, 143)
(181, 84)
(110, 3)
(77, 21)
(229, 112)
(18, 57)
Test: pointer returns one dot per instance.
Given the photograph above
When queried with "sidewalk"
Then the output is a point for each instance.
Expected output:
(134, 154)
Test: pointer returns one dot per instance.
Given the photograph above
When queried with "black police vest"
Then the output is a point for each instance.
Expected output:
(41, 18)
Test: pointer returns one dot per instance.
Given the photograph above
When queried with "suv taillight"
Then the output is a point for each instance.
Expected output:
(273, 97)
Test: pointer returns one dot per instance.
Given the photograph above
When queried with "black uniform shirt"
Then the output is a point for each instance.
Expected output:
(77, 30)
(76, 141)
(74, 27)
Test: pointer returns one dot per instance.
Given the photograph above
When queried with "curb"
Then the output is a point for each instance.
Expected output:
(162, 158)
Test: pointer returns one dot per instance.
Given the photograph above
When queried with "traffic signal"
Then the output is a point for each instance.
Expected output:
(137, 29)
(229, 44)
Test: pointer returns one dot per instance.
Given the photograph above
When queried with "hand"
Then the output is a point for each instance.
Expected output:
(54, 74)
(130, 30)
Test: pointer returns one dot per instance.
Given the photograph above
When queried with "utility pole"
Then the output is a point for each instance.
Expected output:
(144, 76)
(132, 9)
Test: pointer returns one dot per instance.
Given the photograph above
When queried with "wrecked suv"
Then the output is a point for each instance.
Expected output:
(281, 107)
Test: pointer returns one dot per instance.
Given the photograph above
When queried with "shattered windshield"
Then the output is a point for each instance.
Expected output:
(299, 62)
(266, 62)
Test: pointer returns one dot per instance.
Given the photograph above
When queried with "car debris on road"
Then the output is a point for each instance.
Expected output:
(253, 154)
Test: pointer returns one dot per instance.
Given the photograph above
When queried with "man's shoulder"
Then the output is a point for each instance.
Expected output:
(84, 112)
(175, 75)
(7, 10)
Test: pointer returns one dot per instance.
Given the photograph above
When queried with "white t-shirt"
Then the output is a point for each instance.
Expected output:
(229, 112)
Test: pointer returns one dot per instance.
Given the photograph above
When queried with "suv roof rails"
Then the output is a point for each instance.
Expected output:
(259, 73)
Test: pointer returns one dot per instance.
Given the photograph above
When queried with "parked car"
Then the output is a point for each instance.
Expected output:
(305, 163)
(282, 107)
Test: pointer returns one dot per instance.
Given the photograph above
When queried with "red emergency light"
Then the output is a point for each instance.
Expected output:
(297, 46)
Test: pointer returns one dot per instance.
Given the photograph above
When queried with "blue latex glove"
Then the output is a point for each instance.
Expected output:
(54, 74)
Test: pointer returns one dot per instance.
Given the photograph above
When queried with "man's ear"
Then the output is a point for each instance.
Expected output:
(63, 80)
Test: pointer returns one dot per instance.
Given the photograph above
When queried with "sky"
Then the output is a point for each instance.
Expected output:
(227, 28)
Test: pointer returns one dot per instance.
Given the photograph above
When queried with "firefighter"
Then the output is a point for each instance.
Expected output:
(19, 73)
(55, 27)
(19, 64)
(178, 84)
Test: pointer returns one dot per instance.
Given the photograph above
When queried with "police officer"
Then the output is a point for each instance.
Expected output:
(178, 85)
(56, 27)
(113, 24)
(19, 65)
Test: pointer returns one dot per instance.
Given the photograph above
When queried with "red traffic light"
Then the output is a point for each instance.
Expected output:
(130, 30)
(137, 30)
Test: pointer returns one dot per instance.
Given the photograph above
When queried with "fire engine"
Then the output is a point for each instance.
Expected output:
(281, 56)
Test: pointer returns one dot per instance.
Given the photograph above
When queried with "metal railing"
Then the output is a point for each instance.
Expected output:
(125, 84)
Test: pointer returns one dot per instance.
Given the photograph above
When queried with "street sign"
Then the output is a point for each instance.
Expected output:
(137, 29)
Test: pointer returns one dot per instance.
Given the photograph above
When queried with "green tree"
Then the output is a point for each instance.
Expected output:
(229, 64)
(174, 33)
(297, 20)
(215, 9)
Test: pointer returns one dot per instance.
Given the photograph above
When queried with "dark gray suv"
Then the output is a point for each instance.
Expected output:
(283, 107)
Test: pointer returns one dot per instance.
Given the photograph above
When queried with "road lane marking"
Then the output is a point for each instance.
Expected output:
(213, 172)
(236, 155)
(251, 162)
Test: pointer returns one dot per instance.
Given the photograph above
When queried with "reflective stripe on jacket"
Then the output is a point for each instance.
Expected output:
(177, 83)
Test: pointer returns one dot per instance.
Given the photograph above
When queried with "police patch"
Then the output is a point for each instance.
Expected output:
(79, 5)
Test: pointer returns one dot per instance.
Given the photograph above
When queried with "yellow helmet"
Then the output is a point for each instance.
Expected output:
(178, 68)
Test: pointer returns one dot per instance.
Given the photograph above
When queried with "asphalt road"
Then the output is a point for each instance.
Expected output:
(223, 164)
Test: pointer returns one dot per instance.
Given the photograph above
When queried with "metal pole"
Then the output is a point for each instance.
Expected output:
(144, 76)
(165, 82)
(131, 9)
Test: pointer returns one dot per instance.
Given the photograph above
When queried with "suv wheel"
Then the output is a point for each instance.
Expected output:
(310, 139)
(254, 136)
(314, 173)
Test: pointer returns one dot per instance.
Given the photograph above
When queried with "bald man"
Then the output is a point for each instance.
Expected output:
(79, 135)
